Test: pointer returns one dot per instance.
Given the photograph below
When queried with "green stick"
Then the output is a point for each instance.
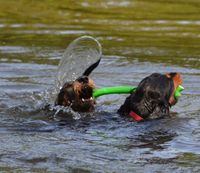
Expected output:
(113, 90)
(127, 90)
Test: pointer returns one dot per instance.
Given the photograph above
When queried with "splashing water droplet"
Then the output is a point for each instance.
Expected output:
(78, 56)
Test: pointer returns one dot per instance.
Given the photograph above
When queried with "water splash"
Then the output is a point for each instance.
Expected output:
(61, 110)
(79, 55)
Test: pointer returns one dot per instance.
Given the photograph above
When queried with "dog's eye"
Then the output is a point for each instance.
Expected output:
(153, 95)
(83, 79)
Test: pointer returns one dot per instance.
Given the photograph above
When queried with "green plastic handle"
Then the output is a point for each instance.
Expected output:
(126, 90)
(113, 90)
(178, 91)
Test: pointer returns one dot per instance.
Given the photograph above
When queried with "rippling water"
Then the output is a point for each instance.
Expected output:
(138, 38)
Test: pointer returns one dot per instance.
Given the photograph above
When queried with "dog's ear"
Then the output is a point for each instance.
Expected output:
(62, 98)
(91, 68)
(176, 80)
(176, 77)
(66, 95)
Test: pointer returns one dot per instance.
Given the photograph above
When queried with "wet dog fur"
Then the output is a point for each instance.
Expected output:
(153, 97)
(78, 94)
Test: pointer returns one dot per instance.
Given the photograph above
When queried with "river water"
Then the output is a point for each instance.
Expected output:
(138, 38)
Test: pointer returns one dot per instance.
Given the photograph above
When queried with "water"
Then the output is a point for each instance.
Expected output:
(138, 38)
(79, 55)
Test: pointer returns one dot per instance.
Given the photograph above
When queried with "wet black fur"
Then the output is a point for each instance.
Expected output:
(151, 98)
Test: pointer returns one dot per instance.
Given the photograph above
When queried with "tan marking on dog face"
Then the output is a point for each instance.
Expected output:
(91, 83)
(177, 80)
(77, 87)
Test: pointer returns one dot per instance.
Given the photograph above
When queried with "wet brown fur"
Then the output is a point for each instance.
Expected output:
(72, 93)
(177, 80)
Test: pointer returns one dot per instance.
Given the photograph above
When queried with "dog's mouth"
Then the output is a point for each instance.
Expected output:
(87, 99)
(84, 89)
(86, 94)
(84, 101)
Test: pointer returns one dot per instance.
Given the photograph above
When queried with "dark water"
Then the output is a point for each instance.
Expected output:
(138, 38)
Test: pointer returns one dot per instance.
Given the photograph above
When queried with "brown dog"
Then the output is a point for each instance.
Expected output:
(78, 94)
(153, 97)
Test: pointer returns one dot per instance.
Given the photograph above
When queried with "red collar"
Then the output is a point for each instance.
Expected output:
(135, 116)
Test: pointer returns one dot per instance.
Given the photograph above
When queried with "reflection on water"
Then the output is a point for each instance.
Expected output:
(138, 38)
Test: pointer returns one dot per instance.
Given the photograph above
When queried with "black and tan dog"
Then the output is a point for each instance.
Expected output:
(78, 94)
(153, 97)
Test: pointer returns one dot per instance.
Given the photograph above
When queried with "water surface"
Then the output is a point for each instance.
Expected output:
(138, 38)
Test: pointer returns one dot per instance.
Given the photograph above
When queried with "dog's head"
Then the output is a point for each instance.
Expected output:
(153, 96)
(78, 95)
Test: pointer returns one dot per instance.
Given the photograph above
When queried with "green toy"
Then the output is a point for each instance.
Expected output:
(113, 90)
(127, 90)
(178, 91)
